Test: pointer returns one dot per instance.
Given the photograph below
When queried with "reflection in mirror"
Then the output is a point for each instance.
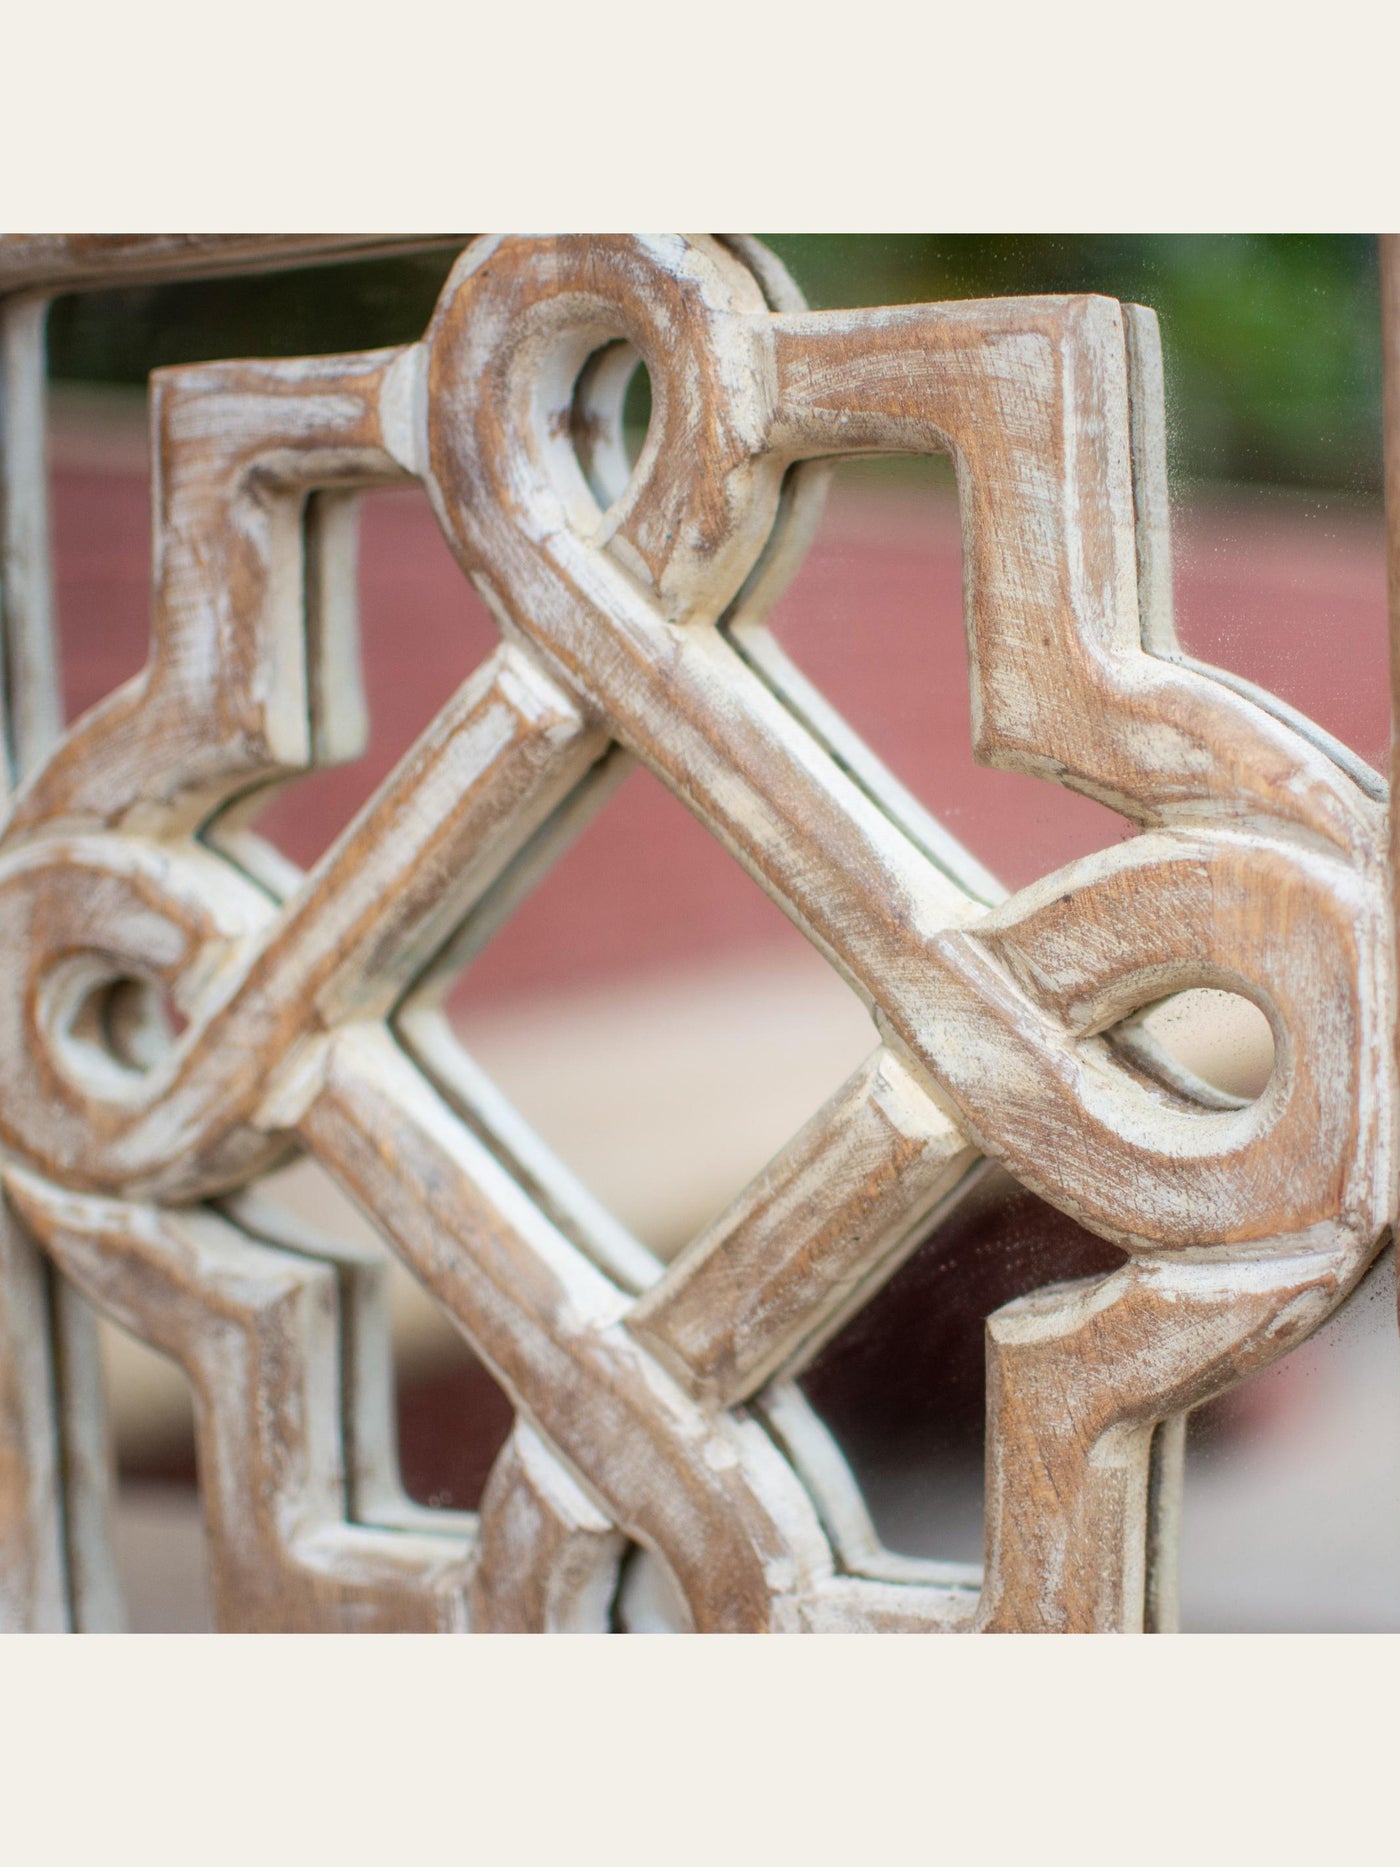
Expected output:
(655, 1018)
(902, 1387)
(1291, 1512)
(158, 1541)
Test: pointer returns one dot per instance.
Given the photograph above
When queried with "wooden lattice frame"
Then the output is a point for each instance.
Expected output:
(656, 1404)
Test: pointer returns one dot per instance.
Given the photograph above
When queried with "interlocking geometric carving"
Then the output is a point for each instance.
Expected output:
(659, 1429)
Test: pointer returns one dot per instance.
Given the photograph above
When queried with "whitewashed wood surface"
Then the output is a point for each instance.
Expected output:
(662, 1452)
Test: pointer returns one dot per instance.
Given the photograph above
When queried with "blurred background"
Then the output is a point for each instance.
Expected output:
(659, 1021)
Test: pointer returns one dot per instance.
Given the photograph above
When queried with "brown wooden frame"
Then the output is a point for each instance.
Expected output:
(660, 1436)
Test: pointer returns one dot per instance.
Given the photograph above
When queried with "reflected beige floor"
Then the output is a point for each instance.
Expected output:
(1291, 1521)
(665, 1097)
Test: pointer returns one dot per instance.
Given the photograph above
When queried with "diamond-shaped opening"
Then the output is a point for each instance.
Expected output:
(902, 1387)
(450, 1418)
(1291, 1505)
(655, 1018)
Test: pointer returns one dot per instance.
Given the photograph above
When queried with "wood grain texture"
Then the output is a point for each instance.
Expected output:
(664, 1468)
(819, 1230)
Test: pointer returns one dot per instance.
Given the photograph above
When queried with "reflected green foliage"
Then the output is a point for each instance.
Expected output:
(1272, 343)
(119, 337)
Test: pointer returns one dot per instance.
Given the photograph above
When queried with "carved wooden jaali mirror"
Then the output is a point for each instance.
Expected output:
(184, 1011)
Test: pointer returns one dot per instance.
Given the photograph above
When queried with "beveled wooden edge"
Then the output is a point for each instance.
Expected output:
(260, 1332)
(784, 1259)
(71, 262)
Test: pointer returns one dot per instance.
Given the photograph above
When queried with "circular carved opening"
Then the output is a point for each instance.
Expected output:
(125, 1024)
(1216, 1038)
(611, 418)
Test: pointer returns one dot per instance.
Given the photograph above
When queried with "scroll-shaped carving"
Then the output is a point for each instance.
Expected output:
(655, 1403)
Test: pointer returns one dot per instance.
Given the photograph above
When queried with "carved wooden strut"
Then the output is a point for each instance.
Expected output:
(659, 1427)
